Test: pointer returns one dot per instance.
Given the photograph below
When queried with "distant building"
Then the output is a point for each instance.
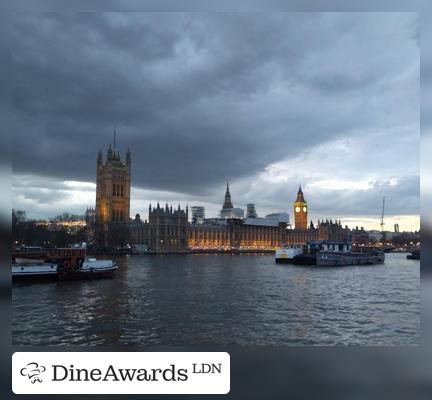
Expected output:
(389, 235)
(280, 217)
(214, 233)
(215, 221)
(251, 211)
(266, 233)
(139, 233)
(259, 234)
(228, 211)
(396, 228)
(198, 214)
(375, 235)
(237, 213)
(90, 216)
(360, 236)
(332, 230)
(166, 231)
(90, 219)
(300, 211)
(113, 184)
(262, 221)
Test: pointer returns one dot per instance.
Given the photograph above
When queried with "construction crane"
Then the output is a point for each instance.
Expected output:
(382, 218)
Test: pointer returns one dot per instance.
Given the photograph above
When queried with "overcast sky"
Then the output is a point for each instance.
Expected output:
(265, 101)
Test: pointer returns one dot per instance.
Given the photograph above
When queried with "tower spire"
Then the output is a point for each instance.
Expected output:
(300, 196)
(227, 202)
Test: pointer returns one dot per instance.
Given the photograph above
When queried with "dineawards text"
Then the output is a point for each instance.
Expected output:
(110, 373)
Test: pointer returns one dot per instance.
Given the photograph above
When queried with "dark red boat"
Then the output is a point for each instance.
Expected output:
(90, 268)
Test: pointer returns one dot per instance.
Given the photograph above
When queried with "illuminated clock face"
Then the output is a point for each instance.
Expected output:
(297, 209)
(304, 209)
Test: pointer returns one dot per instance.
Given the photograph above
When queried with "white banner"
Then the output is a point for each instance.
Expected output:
(120, 373)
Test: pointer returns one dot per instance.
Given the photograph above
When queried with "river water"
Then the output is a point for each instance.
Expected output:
(224, 299)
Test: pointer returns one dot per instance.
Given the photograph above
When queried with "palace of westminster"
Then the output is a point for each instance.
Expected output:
(168, 229)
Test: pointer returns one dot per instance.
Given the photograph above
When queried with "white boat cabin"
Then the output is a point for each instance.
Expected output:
(337, 246)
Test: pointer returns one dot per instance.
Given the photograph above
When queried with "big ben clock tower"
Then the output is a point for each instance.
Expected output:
(300, 211)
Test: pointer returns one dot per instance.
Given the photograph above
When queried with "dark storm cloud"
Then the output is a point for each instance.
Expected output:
(202, 98)
(426, 76)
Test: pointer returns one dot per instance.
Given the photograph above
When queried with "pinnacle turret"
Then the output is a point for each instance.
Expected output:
(128, 156)
(100, 157)
(110, 153)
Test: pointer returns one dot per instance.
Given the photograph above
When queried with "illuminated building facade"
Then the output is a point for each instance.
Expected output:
(209, 236)
(268, 233)
(168, 230)
(300, 211)
(113, 184)
(247, 235)
(235, 234)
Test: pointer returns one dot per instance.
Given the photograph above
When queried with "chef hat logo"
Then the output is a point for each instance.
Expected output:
(33, 371)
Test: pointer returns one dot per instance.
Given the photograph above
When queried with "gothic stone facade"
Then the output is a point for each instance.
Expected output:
(166, 230)
(250, 234)
(169, 231)
(113, 184)
(236, 234)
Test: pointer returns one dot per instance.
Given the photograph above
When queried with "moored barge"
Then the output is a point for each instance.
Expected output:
(340, 253)
(60, 264)
(326, 253)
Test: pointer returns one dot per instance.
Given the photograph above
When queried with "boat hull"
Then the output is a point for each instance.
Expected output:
(34, 277)
(283, 260)
(286, 256)
(343, 259)
(75, 275)
(304, 259)
(415, 255)
(34, 271)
